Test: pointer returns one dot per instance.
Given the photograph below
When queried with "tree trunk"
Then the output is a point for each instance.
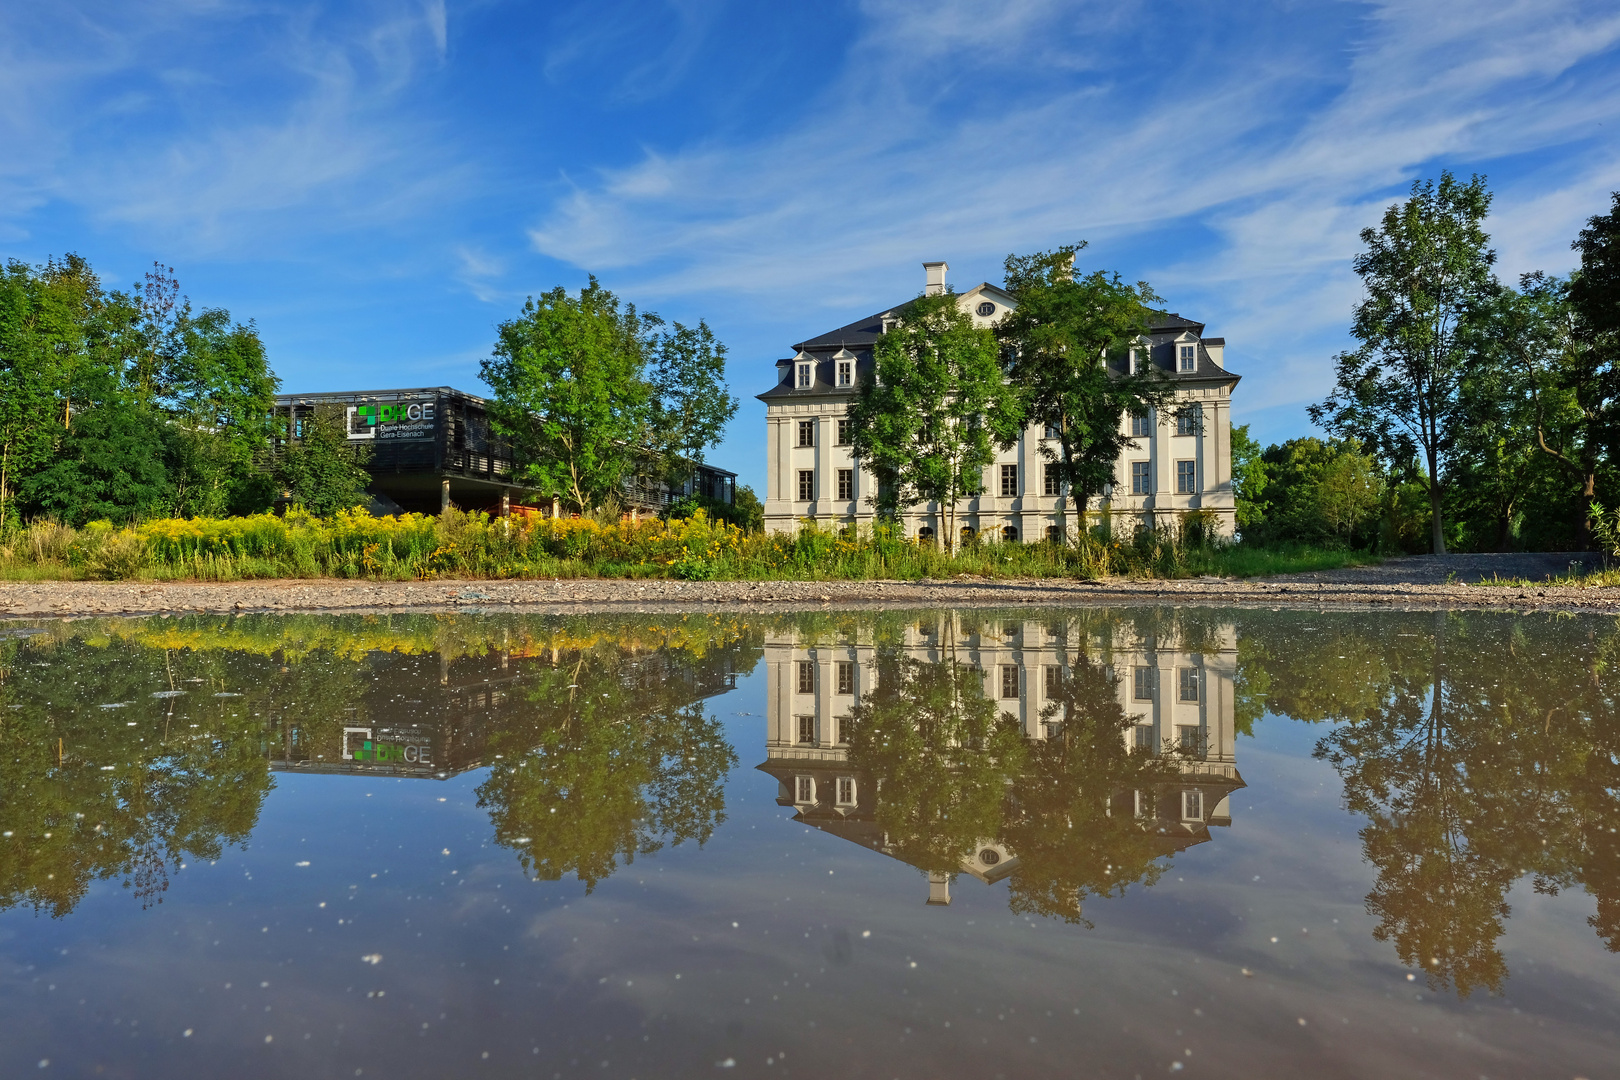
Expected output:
(1583, 534)
(1437, 525)
(1080, 501)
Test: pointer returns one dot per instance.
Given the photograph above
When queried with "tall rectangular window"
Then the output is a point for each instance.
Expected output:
(1143, 679)
(1141, 478)
(1143, 739)
(807, 729)
(1190, 421)
(846, 791)
(806, 790)
(1189, 739)
(1051, 480)
(843, 433)
(807, 484)
(1009, 481)
(1189, 358)
(846, 373)
(1192, 806)
(1009, 680)
(846, 677)
(1054, 681)
(1051, 432)
(807, 676)
(1186, 477)
(846, 483)
(804, 376)
(1189, 684)
(1135, 363)
(838, 730)
(807, 433)
(1141, 425)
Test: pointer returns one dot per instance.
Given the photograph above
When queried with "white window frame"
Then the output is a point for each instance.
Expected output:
(1141, 478)
(806, 377)
(1187, 358)
(1192, 800)
(846, 373)
(1187, 478)
(845, 791)
(804, 790)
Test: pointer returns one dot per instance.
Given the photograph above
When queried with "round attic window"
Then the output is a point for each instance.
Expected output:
(989, 856)
(986, 308)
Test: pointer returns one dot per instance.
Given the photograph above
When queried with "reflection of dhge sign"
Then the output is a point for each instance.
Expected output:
(382, 751)
(369, 416)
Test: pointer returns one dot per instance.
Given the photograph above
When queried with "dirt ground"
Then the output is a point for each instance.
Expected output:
(1424, 582)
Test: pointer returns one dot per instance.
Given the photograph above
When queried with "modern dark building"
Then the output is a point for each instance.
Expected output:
(433, 447)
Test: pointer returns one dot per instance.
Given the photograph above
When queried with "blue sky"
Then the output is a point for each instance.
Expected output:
(378, 183)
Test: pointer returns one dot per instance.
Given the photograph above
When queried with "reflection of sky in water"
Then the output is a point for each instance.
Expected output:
(774, 947)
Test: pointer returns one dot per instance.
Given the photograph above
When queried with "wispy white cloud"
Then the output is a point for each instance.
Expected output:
(205, 124)
(1281, 162)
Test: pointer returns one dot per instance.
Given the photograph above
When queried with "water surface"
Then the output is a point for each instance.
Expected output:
(1106, 843)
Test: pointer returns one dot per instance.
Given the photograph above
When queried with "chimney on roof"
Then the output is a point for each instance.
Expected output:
(934, 274)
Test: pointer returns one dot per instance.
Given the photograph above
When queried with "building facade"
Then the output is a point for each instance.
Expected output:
(1180, 459)
(1177, 690)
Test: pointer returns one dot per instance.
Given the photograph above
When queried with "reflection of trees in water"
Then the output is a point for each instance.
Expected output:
(953, 772)
(940, 754)
(1069, 813)
(173, 791)
(625, 773)
(1480, 750)
(611, 759)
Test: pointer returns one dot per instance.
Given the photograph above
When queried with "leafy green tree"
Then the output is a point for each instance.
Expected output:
(1317, 492)
(1589, 366)
(1067, 348)
(108, 465)
(571, 393)
(928, 424)
(691, 403)
(63, 345)
(1426, 270)
(319, 468)
(1248, 478)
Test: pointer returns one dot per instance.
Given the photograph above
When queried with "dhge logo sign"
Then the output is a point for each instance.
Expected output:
(382, 752)
(401, 421)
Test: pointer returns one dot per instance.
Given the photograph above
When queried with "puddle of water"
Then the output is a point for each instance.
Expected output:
(926, 843)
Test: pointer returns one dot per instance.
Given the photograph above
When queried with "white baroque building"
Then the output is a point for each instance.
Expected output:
(1178, 461)
(1178, 693)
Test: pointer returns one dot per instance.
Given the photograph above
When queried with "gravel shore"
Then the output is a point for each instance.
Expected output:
(1419, 582)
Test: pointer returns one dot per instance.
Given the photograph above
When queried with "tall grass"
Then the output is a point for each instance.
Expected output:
(460, 545)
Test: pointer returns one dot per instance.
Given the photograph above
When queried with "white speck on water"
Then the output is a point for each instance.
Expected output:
(303, 863)
(729, 1063)
(372, 958)
(446, 851)
(866, 933)
(186, 1034)
(734, 926)
(268, 1038)
(1274, 941)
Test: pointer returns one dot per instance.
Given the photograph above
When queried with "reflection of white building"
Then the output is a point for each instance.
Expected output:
(1179, 694)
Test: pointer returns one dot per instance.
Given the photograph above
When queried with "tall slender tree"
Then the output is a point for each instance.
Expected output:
(1427, 272)
(928, 424)
(1067, 348)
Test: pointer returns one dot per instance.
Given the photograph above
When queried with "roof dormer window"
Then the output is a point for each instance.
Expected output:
(804, 376)
(1189, 358)
(1134, 365)
(846, 373)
